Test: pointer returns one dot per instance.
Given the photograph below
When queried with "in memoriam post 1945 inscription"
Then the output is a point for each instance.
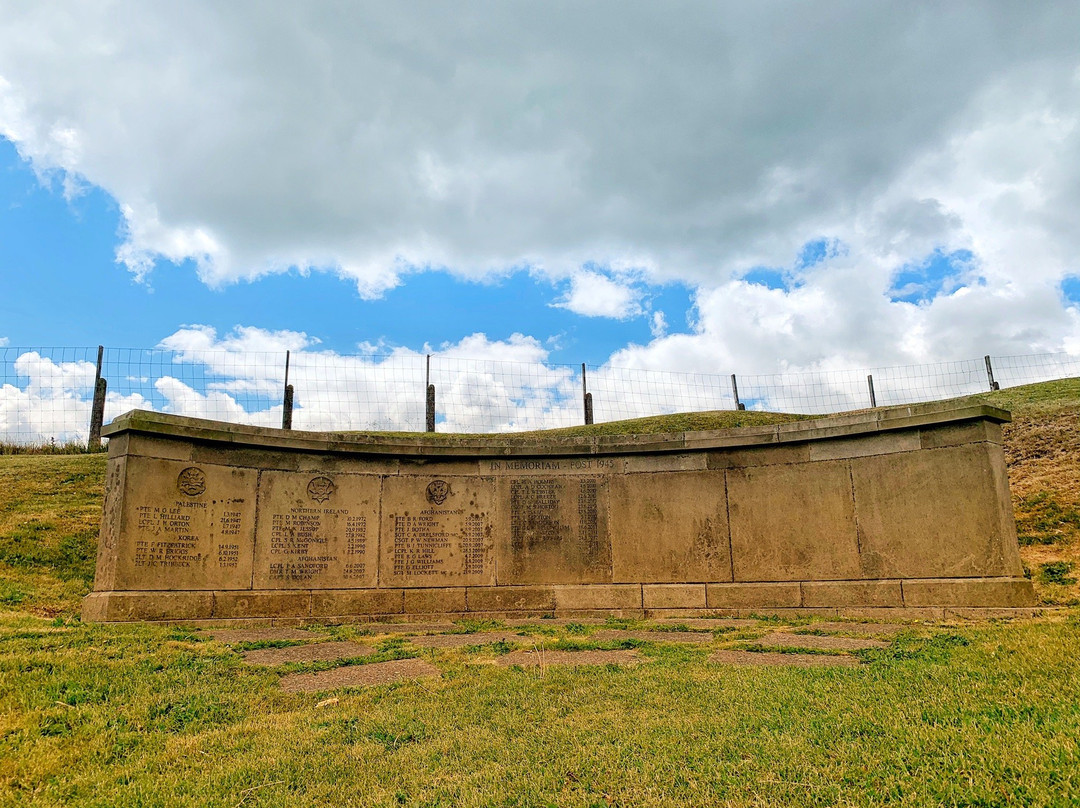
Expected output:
(556, 530)
(316, 530)
(438, 531)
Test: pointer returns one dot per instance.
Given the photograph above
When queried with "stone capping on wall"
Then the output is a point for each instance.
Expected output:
(859, 423)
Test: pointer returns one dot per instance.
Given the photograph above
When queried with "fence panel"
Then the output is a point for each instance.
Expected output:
(348, 393)
(481, 395)
(1012, 371)
(621, 393)
(46, 394)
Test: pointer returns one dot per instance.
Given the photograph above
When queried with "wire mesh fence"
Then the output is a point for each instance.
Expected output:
(46, 394)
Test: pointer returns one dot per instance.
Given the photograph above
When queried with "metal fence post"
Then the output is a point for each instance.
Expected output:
(97, 409)
(287, 400)
(990, 374)
(429, 409)
(735, 392)
(586, 397)
(870, 384)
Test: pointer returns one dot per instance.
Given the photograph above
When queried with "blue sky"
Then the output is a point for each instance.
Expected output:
(521, 181)
(64, 287)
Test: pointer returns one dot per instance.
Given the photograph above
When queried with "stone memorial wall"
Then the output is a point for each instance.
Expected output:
(901, 509)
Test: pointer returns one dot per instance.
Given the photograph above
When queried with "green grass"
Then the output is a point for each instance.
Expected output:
(130, 715)
(49, 447)
(146, 715)
(1030, 399)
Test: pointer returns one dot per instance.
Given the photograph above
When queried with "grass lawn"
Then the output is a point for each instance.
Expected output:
(141, 715)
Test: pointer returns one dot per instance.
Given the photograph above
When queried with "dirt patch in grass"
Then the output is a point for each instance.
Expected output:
(376, 673)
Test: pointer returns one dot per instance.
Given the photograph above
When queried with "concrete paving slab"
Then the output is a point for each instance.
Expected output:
(376, 673)
(767, 658)
(536, 659)
(818, 642)
(313, 652)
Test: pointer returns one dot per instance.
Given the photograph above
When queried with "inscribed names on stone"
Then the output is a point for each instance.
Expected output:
(555, 529)
(437, 531)
(317, 530)
(188, 526)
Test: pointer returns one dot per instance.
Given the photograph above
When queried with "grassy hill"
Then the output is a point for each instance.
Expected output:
(50, 504)
(981, 714)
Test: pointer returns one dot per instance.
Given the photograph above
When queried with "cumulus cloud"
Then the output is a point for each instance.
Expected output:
(482, 385)
(593, 294)
(658, 324)
(378, 140)
(51, 400)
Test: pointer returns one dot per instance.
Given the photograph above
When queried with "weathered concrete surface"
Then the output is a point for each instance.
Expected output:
(310, 652)
(891, 512)
(541, 659)
(778, 659)
(373, 673)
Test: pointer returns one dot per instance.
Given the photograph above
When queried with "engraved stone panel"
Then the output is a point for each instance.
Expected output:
(670, 527)
(317, 530)
(554, 466)
(437, 531)
(793, 523)
(185, 526)
(949, 518)
(555, 530)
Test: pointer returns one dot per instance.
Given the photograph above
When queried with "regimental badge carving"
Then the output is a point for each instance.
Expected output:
(320, 488)
(191, 481)
(438, 491)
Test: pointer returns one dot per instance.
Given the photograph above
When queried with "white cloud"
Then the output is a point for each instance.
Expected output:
(54, 401)
(658, 324)
(385, 139)
(3, 341)
(482, 385)
(594, 295)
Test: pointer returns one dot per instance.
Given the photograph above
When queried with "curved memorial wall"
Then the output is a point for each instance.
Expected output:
(903, 509)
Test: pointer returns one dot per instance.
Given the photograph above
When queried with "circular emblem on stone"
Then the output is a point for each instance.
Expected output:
(320, 488)
(191, 481)
(438, 491)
